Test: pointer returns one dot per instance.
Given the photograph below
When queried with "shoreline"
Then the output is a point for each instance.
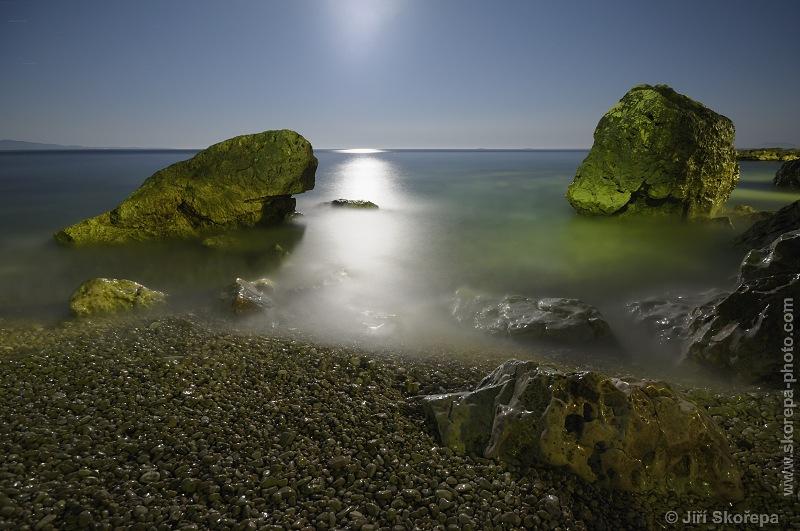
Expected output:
(171, 421)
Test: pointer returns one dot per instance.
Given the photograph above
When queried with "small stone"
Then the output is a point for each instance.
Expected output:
(151, 476)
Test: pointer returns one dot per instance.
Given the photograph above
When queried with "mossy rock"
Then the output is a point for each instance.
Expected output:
(100, 296)
(657, 152)
(241, 182)
(637, 436)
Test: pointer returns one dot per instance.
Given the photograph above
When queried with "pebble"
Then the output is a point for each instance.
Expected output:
(176, 423)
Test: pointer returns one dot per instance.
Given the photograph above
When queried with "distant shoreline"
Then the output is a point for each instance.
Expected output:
(325, 150)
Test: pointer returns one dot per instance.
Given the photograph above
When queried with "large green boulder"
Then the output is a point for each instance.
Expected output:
(657, 152)
(638, 436)
(100, 296)
(241, 182)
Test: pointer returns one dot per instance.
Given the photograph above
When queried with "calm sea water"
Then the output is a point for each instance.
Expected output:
(493, 221)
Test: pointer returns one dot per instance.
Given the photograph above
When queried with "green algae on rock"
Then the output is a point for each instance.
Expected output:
(111, 295)
(657, 152)
(639, 436)
(241, 182)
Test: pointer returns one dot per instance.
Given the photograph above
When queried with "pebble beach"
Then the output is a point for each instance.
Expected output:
(176, 423)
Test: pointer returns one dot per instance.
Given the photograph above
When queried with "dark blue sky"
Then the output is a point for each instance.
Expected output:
(385, 73)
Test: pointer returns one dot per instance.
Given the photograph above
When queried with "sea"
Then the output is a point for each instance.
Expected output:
(493, 222)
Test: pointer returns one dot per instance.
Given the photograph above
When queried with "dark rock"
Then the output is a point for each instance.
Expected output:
(788, 175)
(353, 203)
(657, 152)
(743, 331)
(634, 436)
(242, 182)
(667, 318)
(525, 317)
(111, 295)
(765, 231)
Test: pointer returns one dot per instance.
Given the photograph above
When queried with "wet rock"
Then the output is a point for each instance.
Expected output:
(111, 295)
(657, 152)
(742, 331)
(246, 297)
(788, 175)
(668, 318)
(765, 231)
(353, 203)
(635, 436)
(241, 182)
(524, 317)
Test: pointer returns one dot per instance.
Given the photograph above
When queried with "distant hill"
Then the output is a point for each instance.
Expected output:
(782, 145)
(769, 154)
(20, 145)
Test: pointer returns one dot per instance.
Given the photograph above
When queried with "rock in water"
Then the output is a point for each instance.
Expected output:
(111, 295)
(743, 331)
(657, 152)
(666, 317)
(353, 203)
(246, 297)
(524, 317)
(788, 175)
(635, 436)
(765, 231)
(241, 182)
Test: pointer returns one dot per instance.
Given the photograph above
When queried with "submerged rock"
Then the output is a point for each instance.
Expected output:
(657, 152)
(246, 297)
(241, 182)
(788, 175)
(524, 317)
(353, 203)
(743, 331)
(111, 295)
(765, 231)
(237, 243)
(745, 215)
(634, 436)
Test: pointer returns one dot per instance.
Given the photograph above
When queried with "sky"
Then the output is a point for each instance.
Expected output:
(385, 73)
